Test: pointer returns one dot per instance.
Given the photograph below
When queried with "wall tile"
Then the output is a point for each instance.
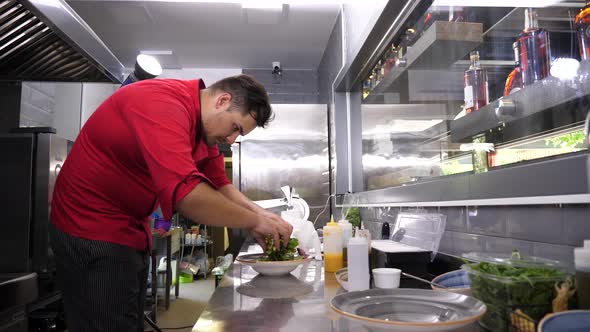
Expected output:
(35, 115)
(456, 219)
(311, 99)
(576, 224)
(387, 214)
(464, 243)
(295, 86)
(446, 243)
(487, 220)
(502, 245)
(536, 223)
(561, 253)
(375, 228)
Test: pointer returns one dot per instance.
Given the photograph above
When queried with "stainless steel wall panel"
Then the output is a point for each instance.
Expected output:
(292, 150)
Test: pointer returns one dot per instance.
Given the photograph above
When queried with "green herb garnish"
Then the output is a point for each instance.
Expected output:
(282, 253)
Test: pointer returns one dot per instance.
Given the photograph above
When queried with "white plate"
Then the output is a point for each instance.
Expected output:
(271, 268)
(408, 309)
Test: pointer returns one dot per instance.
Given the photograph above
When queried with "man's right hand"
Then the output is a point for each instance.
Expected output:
(273, 226)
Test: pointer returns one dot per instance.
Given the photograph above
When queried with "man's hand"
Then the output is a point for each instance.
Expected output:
(269, 224)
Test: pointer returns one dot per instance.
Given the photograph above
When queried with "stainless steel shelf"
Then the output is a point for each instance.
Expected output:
(560, 102)
(441, 45)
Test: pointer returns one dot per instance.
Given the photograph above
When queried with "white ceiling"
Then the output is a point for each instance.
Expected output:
(211, 35)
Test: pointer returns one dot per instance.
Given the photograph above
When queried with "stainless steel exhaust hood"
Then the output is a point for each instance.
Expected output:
(45, 40)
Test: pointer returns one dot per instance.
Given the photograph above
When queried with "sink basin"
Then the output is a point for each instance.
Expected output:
(17, 289)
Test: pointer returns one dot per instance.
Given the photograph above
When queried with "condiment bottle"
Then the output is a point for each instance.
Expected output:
(582, 262)
(358, 264)
(332, 247)
(364, 233)
(346, 228)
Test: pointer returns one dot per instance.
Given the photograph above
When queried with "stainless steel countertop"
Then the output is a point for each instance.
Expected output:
(246, 301)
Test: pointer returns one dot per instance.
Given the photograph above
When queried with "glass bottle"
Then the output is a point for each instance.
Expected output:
(582, 24)
(366, 88)
(476, 85)
(378, 73)
(535, 55)
(390, 60)
(514, 79)
(456, 14)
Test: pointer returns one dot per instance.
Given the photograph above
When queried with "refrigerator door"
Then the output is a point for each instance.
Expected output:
(51, 153)
(29, 165)
(16, 175)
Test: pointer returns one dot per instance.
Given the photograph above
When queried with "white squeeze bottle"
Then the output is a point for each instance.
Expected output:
(346, 228)
(358, 264)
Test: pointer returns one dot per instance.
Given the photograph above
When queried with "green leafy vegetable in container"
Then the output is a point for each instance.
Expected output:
(354, 217)
(508, 286)
(281, 253)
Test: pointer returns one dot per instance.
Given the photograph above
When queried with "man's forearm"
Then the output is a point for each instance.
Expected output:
(237, 197)
(208, 206)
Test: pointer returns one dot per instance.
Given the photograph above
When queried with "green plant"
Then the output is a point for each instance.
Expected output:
(281, 253)
(354, 217)
(570, 140)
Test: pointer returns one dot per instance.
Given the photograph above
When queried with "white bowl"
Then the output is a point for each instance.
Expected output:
(271, 268)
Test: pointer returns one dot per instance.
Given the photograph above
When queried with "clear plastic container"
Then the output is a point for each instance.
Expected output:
(422, 230)
(508, 284)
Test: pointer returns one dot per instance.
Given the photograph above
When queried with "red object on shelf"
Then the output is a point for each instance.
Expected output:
(476, 85)
(535, 55)
(583, 31)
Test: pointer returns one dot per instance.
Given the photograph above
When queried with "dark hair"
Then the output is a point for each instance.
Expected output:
(247, 94)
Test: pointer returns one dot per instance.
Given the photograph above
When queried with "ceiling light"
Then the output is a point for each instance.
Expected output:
(149, 64)
(262, 4)
(155, 52)
(496, 3)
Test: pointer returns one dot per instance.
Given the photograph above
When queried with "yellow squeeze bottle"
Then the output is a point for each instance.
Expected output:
(333, 260)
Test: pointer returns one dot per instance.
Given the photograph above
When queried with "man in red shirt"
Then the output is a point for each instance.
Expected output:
(152, 142)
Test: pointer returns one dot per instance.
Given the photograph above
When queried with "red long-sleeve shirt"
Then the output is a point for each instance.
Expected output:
(141, 147)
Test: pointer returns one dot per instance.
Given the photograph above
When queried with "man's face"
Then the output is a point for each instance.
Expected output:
(225, 124)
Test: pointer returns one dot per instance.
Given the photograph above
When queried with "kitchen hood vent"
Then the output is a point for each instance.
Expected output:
(45, 40)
